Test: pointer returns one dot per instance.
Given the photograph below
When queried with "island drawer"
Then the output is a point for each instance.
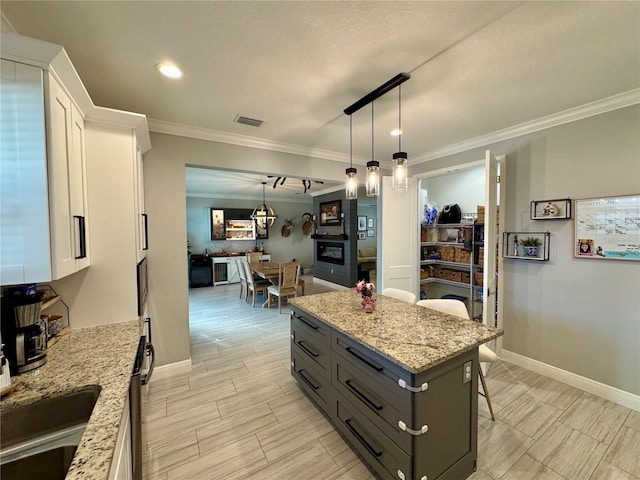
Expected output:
(378, 367)
(382, 406)
(301, 321)
(317, 387)
(381, 453)
(306, 344)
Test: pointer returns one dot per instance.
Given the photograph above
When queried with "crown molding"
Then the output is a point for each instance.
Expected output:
(258, 198)
(615, 102)
(161, 126)
(119, 118)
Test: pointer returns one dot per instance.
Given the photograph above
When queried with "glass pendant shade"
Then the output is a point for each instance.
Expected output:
(263, 214)
(351, 184)
(399, 180)
(373, 178)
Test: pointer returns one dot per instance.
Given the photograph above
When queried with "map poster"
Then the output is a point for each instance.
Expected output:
(608, 228)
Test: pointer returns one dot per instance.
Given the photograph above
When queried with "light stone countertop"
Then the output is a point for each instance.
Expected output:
(104, 356)
(411, 336)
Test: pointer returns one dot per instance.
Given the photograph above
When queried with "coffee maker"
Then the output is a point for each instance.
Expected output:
(23, 332)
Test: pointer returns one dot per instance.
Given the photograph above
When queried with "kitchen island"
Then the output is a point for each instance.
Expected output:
(400, 383)
(100, 356)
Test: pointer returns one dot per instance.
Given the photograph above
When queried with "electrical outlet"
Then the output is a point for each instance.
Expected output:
(466, 372)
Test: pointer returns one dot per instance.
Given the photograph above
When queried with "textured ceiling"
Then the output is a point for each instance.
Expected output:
(477, 67)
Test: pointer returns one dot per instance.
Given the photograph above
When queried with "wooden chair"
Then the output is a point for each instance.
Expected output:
(485, 354)
(253, 287)
(244, 291)
(288, 276)
(254, 257)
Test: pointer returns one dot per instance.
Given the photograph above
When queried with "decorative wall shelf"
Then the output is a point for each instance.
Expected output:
(327, 236)
(512, 246)
(551, 209)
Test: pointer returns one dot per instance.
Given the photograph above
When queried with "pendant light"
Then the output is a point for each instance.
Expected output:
(399, 180)
(351, 183)
(373, 168)
(263, 215)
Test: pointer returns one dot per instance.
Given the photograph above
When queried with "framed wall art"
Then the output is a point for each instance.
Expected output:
(362, 223)
(330, 213)
(362, 235)
(371, 233)
(607, 228)
(371, 223)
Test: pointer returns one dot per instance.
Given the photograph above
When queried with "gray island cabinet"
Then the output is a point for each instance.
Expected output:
(400, 384)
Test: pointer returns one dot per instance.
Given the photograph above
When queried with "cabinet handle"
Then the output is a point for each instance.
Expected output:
(363, 359)
(359, 436)
(306, 349)
(307, 381)
(146, 231)
(362, 396)
(307, 323)
(82, 237)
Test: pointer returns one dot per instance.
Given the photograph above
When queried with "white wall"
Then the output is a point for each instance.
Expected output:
(582, 316)
(464, 187)
(165, 203)
(296, 245)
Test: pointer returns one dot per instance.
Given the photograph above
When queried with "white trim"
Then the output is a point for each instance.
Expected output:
(326, 283)
(451, 169)
(614, 102)
(160, 126)
(171, 370)
(120, 118)
(299, 200)
(613, 394)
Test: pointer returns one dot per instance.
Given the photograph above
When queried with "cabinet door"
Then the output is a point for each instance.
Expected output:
(142, 240)
(78, 191)
(122, 464)
(59, 146)
(233, 275)
(24, 207)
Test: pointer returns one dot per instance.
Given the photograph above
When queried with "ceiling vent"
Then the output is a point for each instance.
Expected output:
(247, 121)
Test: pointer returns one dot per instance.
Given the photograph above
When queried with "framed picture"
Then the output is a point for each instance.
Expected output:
(362, 235)
(217, 224)
(362, 223)
(371, 233)
(607, 228)
(371, 223)
(330, 213)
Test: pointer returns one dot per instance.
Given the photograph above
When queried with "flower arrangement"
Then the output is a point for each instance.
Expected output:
(366, 290)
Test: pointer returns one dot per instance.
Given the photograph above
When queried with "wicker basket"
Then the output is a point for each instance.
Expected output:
(462, 255)
(448, 254)
(465, 278)
(478, 278)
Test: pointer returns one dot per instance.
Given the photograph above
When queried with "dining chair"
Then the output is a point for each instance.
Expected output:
(243, 278)
(459, 309)
(254, 257)
(288, 276)
(253, 286)
(399, 294)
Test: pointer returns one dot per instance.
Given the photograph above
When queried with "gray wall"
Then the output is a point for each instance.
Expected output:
(582, 316)
(165, 201)
(346, 274)
(282, 249)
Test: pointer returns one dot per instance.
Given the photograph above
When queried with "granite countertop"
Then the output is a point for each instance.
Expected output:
(414, 337)
(103, 356)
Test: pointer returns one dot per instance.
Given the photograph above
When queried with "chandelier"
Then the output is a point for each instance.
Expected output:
(263, 214)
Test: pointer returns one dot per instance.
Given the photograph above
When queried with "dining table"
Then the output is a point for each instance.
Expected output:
(267, 270)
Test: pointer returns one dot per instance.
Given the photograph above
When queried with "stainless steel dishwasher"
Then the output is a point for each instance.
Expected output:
(138, 379)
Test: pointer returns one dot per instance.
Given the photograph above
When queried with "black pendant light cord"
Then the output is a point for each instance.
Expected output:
(350, 141)
(372, 137)
(399, 118)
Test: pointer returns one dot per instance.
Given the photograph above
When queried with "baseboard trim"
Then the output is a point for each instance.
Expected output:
(613, 394)
(329, 284)
(178, 368)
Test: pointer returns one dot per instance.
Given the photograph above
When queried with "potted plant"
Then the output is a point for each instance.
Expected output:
(530, 246)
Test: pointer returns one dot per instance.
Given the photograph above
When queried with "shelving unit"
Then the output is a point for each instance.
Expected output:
(512, 247)
(240, 230)
(550, 209)
(451, 262)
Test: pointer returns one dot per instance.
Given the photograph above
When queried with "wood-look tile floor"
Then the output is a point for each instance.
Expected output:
(240, 415)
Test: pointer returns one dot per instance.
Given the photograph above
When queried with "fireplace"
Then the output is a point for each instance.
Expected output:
(330, 252)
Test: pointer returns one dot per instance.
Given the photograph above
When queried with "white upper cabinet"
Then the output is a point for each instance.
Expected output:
(44, 203)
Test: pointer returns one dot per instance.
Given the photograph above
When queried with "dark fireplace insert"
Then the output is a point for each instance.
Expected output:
(330, 252)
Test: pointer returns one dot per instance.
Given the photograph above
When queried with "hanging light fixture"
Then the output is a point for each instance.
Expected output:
(351, 183)
(373, 168)
(399, 180)
(263, 214)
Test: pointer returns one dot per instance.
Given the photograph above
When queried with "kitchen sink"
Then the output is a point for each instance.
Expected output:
(44, 434)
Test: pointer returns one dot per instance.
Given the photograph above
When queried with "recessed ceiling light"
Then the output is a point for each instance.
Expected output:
(396, 132)
(169, 70)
